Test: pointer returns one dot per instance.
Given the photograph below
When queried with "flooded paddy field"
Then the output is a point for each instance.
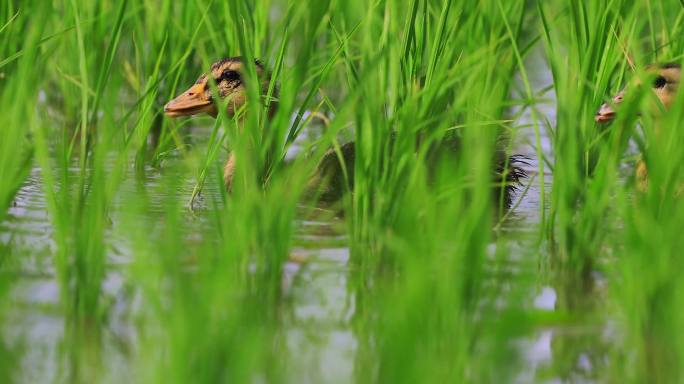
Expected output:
(131, 252)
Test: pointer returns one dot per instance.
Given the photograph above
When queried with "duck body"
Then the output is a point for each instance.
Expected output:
(334, 174)
(332, 177)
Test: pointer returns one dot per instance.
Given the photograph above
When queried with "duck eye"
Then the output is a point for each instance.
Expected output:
(230, 76)
(659, 82)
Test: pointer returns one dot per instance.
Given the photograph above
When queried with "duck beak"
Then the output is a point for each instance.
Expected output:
(606, 113)
(191, 102)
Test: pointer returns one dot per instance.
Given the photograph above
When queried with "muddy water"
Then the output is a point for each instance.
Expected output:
(317, 324)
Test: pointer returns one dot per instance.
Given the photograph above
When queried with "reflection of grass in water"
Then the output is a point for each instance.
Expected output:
(437, 296)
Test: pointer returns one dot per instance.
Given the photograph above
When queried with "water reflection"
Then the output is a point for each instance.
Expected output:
(320, 299)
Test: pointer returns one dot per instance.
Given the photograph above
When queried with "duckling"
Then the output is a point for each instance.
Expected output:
(228, 77)
(328, 183)
(665, 85)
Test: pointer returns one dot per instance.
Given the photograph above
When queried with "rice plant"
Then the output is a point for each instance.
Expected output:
(487, 224)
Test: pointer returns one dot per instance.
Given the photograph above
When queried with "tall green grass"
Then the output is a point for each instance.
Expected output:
(20, 41)
(448, 76)
(582, 59)
(438, 293)
(647, 288)
(20, 52)
(596, 214)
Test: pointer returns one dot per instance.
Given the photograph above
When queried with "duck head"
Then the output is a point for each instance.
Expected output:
(665, 83)
(228, 75)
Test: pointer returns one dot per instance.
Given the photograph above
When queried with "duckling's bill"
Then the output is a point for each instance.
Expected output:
(191, 102)
(606, 113)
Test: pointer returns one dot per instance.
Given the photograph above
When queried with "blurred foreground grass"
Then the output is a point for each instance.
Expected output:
(438, 294)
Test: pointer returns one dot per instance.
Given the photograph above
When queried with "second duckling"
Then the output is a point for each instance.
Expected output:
(665, 85)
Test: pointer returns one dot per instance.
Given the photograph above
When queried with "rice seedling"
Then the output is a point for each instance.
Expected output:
(159, 273)
(422, 260)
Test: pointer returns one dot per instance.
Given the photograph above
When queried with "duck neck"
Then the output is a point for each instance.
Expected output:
(229, 172)
(263, 165)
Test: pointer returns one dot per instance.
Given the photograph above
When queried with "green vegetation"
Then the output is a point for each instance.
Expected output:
(160, 275)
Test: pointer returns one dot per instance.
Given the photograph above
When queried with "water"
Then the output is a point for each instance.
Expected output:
(317, 321)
